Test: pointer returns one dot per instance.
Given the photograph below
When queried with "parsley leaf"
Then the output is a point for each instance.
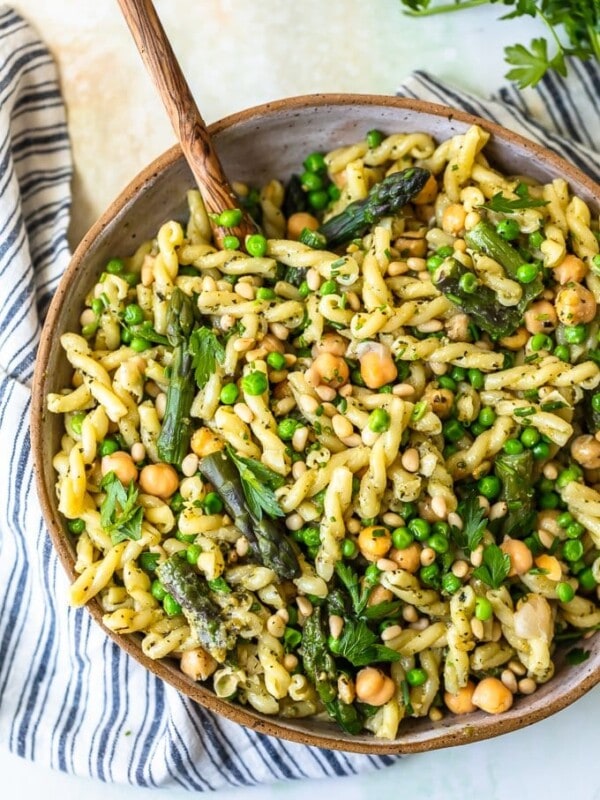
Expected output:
(206, 351)
(495, 566)
(386, 608)
(120, 515)
(504, 205)
(474, 523)
(359, 645)
(577, 656)
(349, 578)
(258, 483)
(530, 66)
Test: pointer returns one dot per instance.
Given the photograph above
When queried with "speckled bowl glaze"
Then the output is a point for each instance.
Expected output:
(255, 145)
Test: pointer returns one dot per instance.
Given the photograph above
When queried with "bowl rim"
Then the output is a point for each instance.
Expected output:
(459, 733)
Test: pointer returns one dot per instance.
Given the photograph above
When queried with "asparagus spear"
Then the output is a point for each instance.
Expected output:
(268, 543)
(321, 669)
(193, 595)
(385, 198)
(515, 472)
(175, 434)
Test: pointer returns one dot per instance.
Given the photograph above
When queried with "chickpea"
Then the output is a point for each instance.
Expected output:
(374, 687)
(571, 268)
(331, 370)
(516, 341)
(550, 565)
(409, 558)
(462, 701)
(586, 451)
(541, 317)
(453, 219)
(428, 193)
(575, 304)
(440, 401)
(379, 594)
(491, 695)
(197, 664)
(204, 442)
(160, 480)
(457, 328)
(331, 343)
(298, 221)
(408, 246)
(377, 368)
(374, 542)
(521, 559)
(121, 463)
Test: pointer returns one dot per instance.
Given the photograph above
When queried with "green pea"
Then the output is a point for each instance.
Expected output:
(433, 262)
(231, 243)
(540, 342)
(139, 344)
(171, 606)
(188, 538)
(486, 417)
(276, 360)
(477, 428)
(430, 575)
(489, 487)
(133, 314)
(291, 638)
(328, 287)
(379, 420)
(334, 192)
(453, 430)
(374, 138)
(565, 519)
(265, 293)
(256, 245)
(445, 252)
(89, 330)
(107, 447)
(255, 383)
(545, 485)
(468, 283)
(439, 543)
(149, 561)
(575, 334)
(549, 500)
(229, 394)
(193, 553)
(402, 538)
(527, 273)
(475, 378)
(115, 266)
(535, 239)
(76, 421)
(304, 289)
(446, 382)
(229, 218)
(562, 352)
(98, 306)
(311, 537)
(564, 592)
(315, 162)
(349, 548)
(458, 374)
(512, 447)
(574, 530)
(586, 579)
(596, 401)
(287, 427)
(530, 436)
(540, 451)
(126, 336)
(131, 278)
(372, 574)
(407, 510)
(568, 475)
(212, 503)
(311, 181)
(158, 591)
(176, 503)
(420, 529)
(508, 229)
(451, 583)
(483, 609)
(76, 526)
(572, 550)
(318, 199)
(440, 528)
(416, 676)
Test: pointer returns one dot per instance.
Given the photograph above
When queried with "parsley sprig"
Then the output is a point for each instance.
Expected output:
(206, 351)
(120, 514)
(573, 26)
(258, 483)
(505, 205)
(473, 528)
(495, 567)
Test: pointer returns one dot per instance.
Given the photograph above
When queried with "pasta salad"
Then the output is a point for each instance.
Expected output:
(349, 467)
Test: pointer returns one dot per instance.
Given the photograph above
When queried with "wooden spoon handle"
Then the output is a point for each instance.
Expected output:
(197, 146)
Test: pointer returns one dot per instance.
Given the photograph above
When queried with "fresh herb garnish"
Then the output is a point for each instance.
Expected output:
(578, 19)
(219, 585)
(504, 205)
(206, 351)
(577, 656)
(495, 566)
(120, 514)
(474, 523)
(406, 698)
(358, 644)
(258, 483)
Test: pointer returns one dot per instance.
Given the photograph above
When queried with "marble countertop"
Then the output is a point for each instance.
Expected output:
(237, 54)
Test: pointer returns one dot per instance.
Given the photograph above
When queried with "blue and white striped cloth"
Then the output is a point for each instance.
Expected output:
(69, 697)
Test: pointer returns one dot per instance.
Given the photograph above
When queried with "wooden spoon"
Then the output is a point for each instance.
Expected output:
(195, 141)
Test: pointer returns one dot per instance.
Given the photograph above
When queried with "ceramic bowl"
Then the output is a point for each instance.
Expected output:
(255, 145)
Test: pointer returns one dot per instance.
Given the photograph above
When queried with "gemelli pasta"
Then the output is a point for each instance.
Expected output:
(350, 467)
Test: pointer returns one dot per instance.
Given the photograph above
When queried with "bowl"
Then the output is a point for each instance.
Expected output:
(254, 145)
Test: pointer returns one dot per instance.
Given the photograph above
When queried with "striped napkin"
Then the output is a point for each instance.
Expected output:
(69, 697)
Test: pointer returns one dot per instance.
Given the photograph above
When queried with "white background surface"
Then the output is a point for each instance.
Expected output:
(236, 54)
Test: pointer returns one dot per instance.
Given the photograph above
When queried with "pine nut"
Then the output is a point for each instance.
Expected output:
(436, 715)
(298, 469)
(254, 355)
(342, 427)
(410, 459)
(517, 667)
(227, 321)
(484, 504)
(87, 317)
(189, 465)
(410, 614)
(419, 624)
(160, 404)
(428, 556)
(345, 390)
(416, 264)
(304, 605)
(241, 546)
(460, 568)
(439, 369)
(397, 268)
(245, 290)
(454, 519)
(550, 471)
(353, 526)
(283, 613)
(243, 411)
(242, 344)
(387, 565)
(308, 403)
(313, 279)
(499, 509)
(294, 522)
(545, 537)
(496, 631)
(392, 519)
(325, 392)
(432, 326)
(279, 330)
(369, 437)
(290, 359)
(209, 284)
(508, 679)
(527, 686)
(352, 441)
(477, 556)
(391, 632)
(290, 662)
(403, 390)
(336, 625)
(439, 507)
(299, 439)
(138, 452)
(477, 628)
(276, 626)
(346, 689)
